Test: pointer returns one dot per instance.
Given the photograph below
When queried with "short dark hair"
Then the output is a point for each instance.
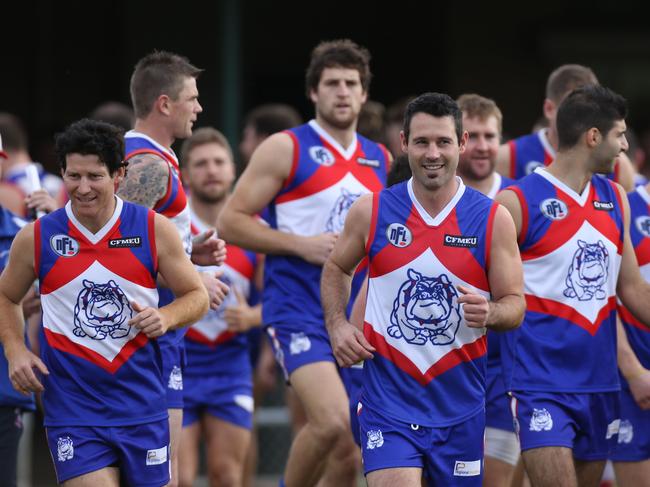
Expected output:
(340, 53)
(91, 137)
(159, 73)
(566, 78)
(436, 105)
(14, 136)
(585, 108)
(271, 118)
(202, 136)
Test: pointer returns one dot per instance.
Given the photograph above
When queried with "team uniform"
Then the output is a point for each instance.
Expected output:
(634, 433)
(12, 403)
(104, 401)
(218, 376)
(531, 151)
(173, 205)
(560, 365)
(500, 441)
(325, 180)
(423, 399)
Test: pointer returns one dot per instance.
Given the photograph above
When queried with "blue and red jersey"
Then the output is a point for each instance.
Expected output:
(210, 347)
(638, 334)
(325, 180)
(103, 372)
(429, 368)
(571, 246)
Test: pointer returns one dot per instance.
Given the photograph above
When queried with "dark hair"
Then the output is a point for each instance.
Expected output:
(159, 73)
(271, 118)
(585, 108)
(566, 78)
(202, 136)
(400, 170)
(14, 136)
(115, 113)
(341, 53)
(436, 105)
(91, 137)
(395, 111)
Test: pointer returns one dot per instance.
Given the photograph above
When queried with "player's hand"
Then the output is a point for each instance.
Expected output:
(149, 321)
(241, 317)
(640, 389)
(217, 289)
(475, 307)
(22, 364)
(349, 345)
(207, 249)
(40, 200)
(317, 249)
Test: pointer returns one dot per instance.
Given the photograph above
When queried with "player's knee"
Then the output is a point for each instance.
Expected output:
(226, 472)
(330, 428)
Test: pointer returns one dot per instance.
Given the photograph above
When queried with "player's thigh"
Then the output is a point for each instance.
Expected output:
(226, 442)
(392, 477)
(105, 477)
(188, 454)
(550, 466)
(632, 474)
(321, 392)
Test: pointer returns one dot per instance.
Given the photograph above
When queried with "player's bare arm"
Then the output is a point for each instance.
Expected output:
(503, 160)
(348, 343)
(637, 376)
(191, 298)
(263, 178)
(146, 180)
(509, 200)
(632, 289)
(505, 275)
(15, 282)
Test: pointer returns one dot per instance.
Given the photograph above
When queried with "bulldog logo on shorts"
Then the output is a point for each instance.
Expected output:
(342, 205)
(102, 311)
(375, 439)
(625, 431)
(426, 310)
(64, 449)
(588, 272)
(175, 379)
(541, 420)
(299, 343)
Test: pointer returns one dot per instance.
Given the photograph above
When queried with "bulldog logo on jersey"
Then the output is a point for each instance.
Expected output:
(426, 310)
(64, 448)
(642, 224)
(541, 420)
(375, 439)
(342, 205)
(554, 209)
(588, 272)
(625, 431)
(64, 245)
(321, 155)
(102, 310)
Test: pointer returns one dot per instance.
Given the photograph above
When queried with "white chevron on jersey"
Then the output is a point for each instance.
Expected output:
(547, 280)
(57, 317)
(298, 216)
(380, 306)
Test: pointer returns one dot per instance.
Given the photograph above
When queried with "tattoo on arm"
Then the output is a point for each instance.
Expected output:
(146, 180)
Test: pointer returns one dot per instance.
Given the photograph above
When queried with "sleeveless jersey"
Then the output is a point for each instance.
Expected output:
(324, 182)
(571, 251)
(638, 334)
(210, 347)
(173, 205)
(103, 372)
(429, 367)
(531, 151)
(10, 225)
